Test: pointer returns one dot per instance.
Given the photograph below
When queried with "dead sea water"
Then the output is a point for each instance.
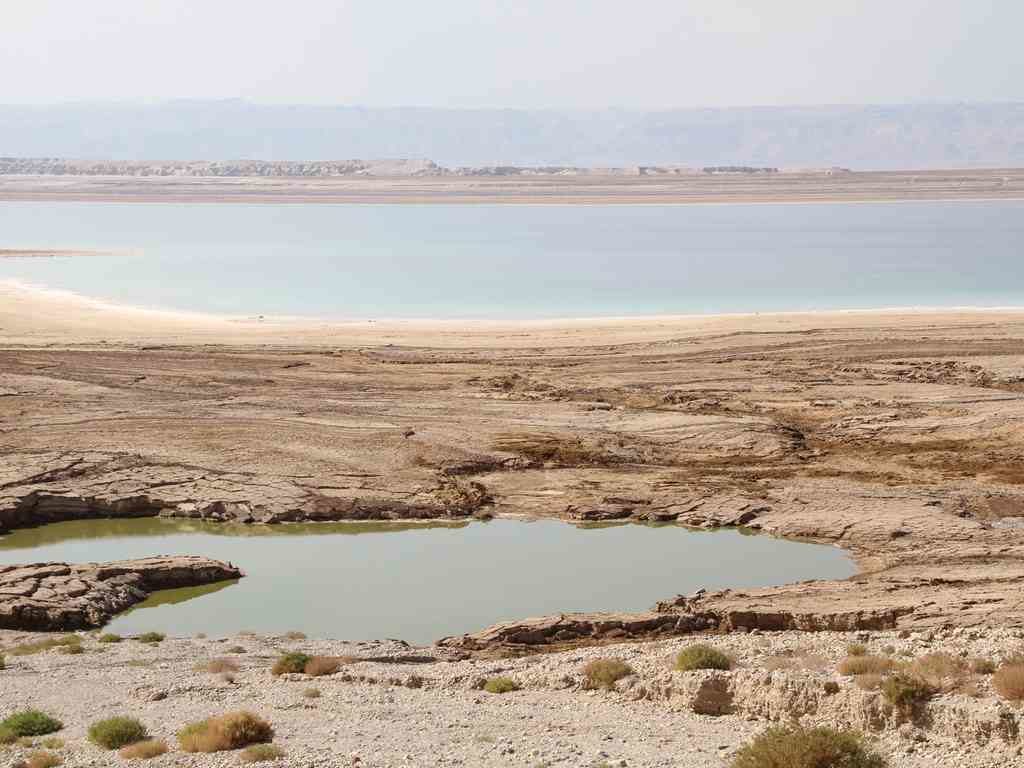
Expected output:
(367, 261)
(419, 582)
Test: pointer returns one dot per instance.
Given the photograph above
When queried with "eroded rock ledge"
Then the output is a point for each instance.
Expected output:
(62, 596)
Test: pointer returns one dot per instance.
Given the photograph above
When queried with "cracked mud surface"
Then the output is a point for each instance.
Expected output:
(897, 437)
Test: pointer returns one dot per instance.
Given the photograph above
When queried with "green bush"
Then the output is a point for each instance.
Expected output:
(31, 722)
(151, 637)
(117, 732)
(603, 673)
(501, 685)
(807, 748)
(290, 662)
(109, 637)
(701, 656)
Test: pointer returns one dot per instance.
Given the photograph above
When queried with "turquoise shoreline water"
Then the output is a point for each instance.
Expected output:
(419, 582)
(451, 261)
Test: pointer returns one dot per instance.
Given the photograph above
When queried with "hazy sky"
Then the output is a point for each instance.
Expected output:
(514, 53)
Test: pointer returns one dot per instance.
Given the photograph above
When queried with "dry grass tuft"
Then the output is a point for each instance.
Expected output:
(38, 646)
(603, 673)
(318, 666)
(1008, 680)
(43, 759)
(852, 666)
(856, 649)
(261, 753)
(905, 692)
(311, 693)
(983, 666)
(940, 671)
(144, 750)
(295, 635)
(218, 666)
(799, 747)
(233, 730)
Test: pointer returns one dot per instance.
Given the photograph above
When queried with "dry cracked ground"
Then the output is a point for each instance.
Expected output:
(902, 442)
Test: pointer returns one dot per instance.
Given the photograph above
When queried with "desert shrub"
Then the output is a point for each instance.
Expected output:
(144, 750)
(1008, 681)
(218, 666)
(52, 742)
(939, 671)
(856, 649)
(799, 747)
(319, 666)
(414, 681)
(311, 693)
(290, 662)
(701, 656)
(37, 646)
(26, 741)
(7, 736)
(905, 691)
(237, 649)
(852, 666)
(869, 681)
(31, 722)
(831, 687)
(602, 673)
(233, 730)
(70, 650)
(983, 666)
(117, 732)
(293, 635)
(501, 685)
(261, 753)
(109, 637)
(43, 759)
(151, 637)
(3, 662)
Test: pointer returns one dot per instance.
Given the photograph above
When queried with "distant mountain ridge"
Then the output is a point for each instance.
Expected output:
(861, 137)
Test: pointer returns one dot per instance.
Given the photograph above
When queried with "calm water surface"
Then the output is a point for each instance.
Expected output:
(363, 581)
(513, 261)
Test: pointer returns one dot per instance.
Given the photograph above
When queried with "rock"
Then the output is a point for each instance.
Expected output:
(88, 595)
(707, 692)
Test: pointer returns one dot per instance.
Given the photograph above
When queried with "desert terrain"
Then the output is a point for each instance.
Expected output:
(896, 435)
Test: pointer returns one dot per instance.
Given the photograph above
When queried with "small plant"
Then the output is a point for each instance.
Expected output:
(501, 685)
(701, 656)
(318, 666)
(294, 635)
(905, 692)
(414, 681)
(603, 673)
(233, 730)
(983, 666)
(43, 759)
(31, 722)
(1008, 680)
(237, 649)
(144, 750)
(52, 742)
(70, 650)
(218, 666)
(117, 732)
(261, 753)
(799, 747)
(151, 637)
(856, 649)
(7, 736)
(311, 693)
(290, 662)
(852, 666)
(109, 637)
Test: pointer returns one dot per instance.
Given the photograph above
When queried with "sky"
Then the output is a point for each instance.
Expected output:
(643, 54)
